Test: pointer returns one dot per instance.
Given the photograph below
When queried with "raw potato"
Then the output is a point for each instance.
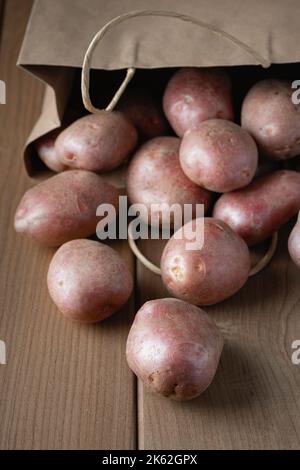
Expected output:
(194, 95)
(219, 155)
(63, 207)
(88, 281)
(206, 275)
(174, 348)
(260, 209)
(155, 177)
(271, 117)
(47, 153)
(294, 243)
(145, 113)
(97, 142)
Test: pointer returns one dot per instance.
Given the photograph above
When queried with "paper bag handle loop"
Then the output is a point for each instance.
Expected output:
(85, 76)
(259, 266)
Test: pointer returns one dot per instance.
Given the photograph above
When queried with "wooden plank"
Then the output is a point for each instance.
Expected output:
(254, 401)
(64, 385)
(68, 386)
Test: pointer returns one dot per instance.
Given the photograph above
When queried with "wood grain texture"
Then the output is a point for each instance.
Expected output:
(68, 386)
(254, 401)
(65, 385)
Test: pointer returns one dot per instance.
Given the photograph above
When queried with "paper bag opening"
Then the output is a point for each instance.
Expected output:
(60, 31)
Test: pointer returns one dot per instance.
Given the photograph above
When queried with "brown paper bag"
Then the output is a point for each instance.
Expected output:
(231, 33)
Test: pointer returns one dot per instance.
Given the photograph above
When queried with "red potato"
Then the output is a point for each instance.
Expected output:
(63, 207)
(219, 155)
(145, 113)
(174, 348)
(88, 281)
(45, 147)
(97, 142)
(294, 243)
(271, 117)
(194, 95)
(260, 209)
(155, 177)
(206, 275)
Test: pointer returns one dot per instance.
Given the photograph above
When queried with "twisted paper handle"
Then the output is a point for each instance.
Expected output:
(85, 76)
(262, 263)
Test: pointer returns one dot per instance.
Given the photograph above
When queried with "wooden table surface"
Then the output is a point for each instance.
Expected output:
(67, 386)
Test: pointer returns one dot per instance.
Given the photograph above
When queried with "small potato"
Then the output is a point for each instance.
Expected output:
(174, 348)
(219, 155)
(47, 153)
(88, 281)
(63, 207)
(194, 95)
(206, 275)
(145, 113)
(271, 117)
(294, 243)
(97, 142)
(155, 177)
(260, 209)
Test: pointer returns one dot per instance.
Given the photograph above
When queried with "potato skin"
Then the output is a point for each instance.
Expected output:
(155, 176)
(260, 209)
(45, 147)
(97, 142)
(145, 113)
(194, 95)
(294, 243)
(63, 207)
(174, 348)
(219, 155)
(88, 281)
(210, 274)
(272, 119)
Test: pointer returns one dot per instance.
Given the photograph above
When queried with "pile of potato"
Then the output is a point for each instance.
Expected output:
(241, 173)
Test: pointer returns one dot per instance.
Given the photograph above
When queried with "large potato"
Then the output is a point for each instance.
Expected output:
(271, 117)
(145, 113)
(97, 142)
(63, 207)
(88, 281)
(260, 209)
(294, 243)
(174, 348)
(194, 95)
(219, 155)
(208, 274)
(45, 147)
(155, 177)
